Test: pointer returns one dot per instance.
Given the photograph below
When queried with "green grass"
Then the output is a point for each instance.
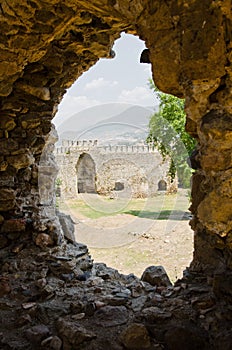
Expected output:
(161, 207)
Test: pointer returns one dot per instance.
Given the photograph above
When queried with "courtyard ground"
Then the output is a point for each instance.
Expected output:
(132, 234)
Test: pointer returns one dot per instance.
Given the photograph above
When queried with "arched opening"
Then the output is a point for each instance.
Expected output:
(86, 174)
(45, 46)
(125, 204)
(162, 185)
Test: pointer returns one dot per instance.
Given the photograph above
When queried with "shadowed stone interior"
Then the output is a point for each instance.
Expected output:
(45, 47)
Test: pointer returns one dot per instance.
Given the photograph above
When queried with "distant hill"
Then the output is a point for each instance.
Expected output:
(109, 123)
(90, 116)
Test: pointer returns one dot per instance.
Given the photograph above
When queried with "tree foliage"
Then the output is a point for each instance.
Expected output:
(167, 133)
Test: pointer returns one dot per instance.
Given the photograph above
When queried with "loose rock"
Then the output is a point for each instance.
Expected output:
(136, 337)
(109, 316)
(156, 276)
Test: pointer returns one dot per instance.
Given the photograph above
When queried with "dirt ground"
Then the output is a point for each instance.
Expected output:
(155, 242)
(131, 243)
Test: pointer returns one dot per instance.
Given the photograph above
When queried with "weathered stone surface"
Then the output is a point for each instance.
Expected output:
(8, 145)
(7, 180)
(7, 199)
(109, 316)
(155, 314)
(20, 161)
(67, 227)
(7, 123)
(73, 334)
(30, 121)
(135, 337)
(43, 240)
(42, 93)
(210, 213)
(13, 225)
(189, 48)
(156, 276)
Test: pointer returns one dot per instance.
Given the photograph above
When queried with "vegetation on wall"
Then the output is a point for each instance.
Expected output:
(167, 133)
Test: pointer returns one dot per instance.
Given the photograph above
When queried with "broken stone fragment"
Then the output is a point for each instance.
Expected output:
(21, 161)
(43, 240)
(53, 343)
(105, 272)
(156, 276)
(135, 337)
(41, 93)
(67, 225)
(155, 314)
(109, 316)
(72, 333)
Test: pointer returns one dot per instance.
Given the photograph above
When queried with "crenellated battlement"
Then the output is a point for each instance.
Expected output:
(128, 149)
(69, 146)
(80, 143)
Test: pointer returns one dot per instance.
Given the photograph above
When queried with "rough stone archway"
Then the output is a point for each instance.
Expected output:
(45, 47)
(86, 174)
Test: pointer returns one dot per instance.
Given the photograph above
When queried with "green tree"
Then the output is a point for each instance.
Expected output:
(167, 133)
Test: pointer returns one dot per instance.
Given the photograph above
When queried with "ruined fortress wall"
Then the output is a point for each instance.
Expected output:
(46, 46)
(138, 168)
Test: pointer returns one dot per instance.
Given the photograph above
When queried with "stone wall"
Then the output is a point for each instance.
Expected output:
(47, 45)
(45, 299)
(139, 168)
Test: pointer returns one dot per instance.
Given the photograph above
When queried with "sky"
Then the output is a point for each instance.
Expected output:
(122, 79)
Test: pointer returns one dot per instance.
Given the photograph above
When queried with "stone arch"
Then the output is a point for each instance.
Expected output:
(45, 46)
(86, 174)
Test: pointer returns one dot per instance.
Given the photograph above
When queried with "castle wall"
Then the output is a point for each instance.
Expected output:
(138, 168)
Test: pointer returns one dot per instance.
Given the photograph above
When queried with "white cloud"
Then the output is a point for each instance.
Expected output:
(138, 95)
(99, 83)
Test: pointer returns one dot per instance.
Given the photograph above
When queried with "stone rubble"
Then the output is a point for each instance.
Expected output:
(44, 304)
